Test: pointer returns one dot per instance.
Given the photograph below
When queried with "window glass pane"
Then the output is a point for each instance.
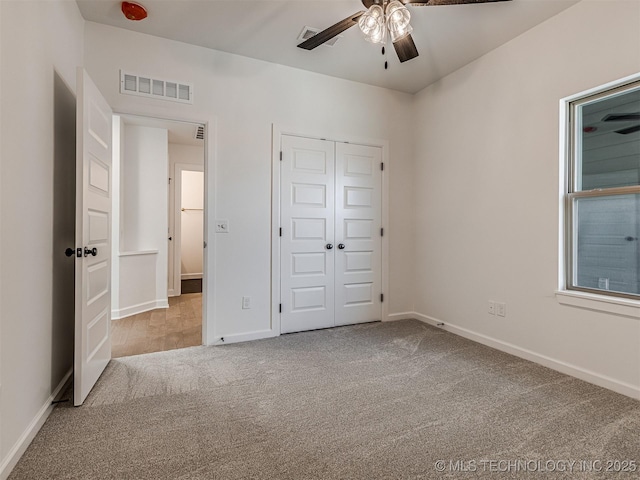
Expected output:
(606, 243)
(608, 143)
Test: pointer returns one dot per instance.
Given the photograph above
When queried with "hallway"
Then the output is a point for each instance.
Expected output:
(159, 330)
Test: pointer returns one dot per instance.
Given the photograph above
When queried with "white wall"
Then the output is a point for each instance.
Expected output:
(41, 44)
(486, 189)
(242, 98)
(179, 153)
(144, 202)
(118, 132)
(143, 188)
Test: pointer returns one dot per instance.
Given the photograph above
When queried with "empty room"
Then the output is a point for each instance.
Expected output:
(369, 240)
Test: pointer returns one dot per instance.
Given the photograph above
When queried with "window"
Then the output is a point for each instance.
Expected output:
(602, 201)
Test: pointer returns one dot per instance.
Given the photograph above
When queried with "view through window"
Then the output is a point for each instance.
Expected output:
(603, 195)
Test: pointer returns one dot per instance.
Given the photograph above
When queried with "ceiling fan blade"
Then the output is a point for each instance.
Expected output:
(621, 117)
(327, 34)
(406, 49)
(627, 131)
(429, 3)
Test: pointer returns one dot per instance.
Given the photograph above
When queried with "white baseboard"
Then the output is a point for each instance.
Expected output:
(244, 337)
(139, 308)
(560, 366)
(30, 432)
(392, 317)
(191, 276)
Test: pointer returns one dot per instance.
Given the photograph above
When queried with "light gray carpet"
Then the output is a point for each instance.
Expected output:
(374, 401)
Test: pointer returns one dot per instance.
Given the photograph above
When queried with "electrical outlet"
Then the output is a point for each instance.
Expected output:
(492, 308)
(222, 226)
(246, 302)
(501, 309)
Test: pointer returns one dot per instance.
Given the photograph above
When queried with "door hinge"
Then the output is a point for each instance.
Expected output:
(280, 309)
(169, 180)
(280, 231)
(382, 166)
(382, 297)
(382, 232)
(280, 155)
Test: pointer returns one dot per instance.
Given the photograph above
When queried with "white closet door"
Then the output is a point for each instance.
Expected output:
(358, 220)
(307, 221)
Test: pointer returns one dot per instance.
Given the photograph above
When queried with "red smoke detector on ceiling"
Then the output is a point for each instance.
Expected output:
(134, 11)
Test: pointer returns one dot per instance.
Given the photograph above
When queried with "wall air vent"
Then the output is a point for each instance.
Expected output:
(145, 86)
(308, 32)
(199, 132)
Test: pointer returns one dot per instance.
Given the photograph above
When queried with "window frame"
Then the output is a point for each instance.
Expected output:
(570, 154)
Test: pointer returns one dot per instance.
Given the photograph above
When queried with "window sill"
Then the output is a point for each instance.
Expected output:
(600, 303)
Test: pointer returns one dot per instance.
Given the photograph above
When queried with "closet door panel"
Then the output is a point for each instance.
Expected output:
(358, 219)
(307, 196)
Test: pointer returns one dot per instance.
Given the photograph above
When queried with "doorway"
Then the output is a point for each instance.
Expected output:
(186, 227)
(150, 313)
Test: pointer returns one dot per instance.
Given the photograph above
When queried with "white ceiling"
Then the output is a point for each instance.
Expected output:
(447, 37)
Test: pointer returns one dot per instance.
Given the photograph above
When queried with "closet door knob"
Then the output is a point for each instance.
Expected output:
(329, 246)
(341, 246)
(90, 251)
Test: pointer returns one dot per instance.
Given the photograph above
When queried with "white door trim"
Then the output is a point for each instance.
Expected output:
(276, 134)
(209, 324)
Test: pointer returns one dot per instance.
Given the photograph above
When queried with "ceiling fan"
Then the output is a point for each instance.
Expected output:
(624, 117)
(382, 18)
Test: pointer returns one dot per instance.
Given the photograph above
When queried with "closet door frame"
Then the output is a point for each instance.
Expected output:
(276, 136)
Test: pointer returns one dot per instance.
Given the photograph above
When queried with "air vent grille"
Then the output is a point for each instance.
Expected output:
(308, 32)
(145, 86)
(199, 132)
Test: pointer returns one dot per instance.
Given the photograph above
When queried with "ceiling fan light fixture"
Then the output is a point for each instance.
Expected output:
(400, 33)
(398, 18)
(372, 25)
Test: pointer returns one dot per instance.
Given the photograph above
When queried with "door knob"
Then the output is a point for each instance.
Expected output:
(69, 251)
(329, 246)
(90, 251)
(341, 246)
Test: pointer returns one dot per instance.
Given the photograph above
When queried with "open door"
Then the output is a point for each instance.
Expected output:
(93, 244)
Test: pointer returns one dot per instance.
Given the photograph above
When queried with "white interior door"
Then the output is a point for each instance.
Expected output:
(330, 243)
(93, 244)
(359, 242)
(306, 248)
